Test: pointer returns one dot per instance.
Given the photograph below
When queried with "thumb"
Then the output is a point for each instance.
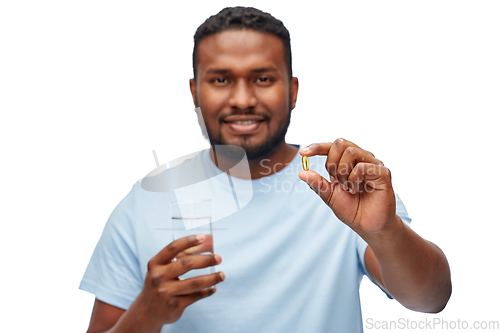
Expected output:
(317, 183)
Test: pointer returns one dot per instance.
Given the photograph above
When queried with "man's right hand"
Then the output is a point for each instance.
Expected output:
(164, 296)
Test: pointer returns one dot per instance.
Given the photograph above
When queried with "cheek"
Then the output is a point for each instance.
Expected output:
(211, 99)
(275, 99)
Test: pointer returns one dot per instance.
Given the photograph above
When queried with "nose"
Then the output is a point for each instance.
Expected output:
(242, 96)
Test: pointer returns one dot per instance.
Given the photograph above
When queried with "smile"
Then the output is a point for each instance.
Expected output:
(246, 122)
(243, 126)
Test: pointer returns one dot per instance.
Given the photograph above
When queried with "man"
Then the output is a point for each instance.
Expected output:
(293, 259)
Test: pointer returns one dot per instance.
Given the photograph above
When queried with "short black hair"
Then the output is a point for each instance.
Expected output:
(241, 18)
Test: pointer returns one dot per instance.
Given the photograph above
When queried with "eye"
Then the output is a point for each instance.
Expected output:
(264, 81)
(220, 80)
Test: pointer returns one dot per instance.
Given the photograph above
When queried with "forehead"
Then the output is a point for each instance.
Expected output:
(240, 49)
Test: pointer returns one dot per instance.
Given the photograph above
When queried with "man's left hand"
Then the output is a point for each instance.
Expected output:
(359, 191)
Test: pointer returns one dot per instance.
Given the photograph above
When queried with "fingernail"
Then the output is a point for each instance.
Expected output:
(200, 238)
(222, 276)
(218, 259)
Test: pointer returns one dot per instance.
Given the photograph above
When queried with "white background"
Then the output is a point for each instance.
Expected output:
(89, 88)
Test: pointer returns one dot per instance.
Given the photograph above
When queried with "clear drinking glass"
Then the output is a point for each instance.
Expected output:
(193, 218)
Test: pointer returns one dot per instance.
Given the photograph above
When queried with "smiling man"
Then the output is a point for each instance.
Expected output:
(244, 86)
(294, 258)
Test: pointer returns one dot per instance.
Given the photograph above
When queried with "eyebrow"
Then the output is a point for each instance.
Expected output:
(257, 70)
(265, 69)
(217, 71)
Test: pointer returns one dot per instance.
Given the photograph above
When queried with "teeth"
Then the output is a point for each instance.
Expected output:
(246, 122)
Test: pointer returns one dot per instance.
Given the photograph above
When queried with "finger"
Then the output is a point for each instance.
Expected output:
(335, 154)
(323, 148)
(368, 177)
(318, 184)
(357, 178)
(316, 149)
(206, 246)
(169, 252)
(351, 156)
(333, 151)
(189, 286)
(190, 262)
(187, 300)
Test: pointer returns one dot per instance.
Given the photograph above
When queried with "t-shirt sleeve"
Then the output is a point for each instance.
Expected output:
(362, 245)
(113, 273)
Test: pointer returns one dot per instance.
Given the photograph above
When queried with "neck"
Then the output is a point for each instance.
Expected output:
(261, 167)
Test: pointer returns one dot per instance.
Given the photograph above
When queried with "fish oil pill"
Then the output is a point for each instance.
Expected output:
(305, 163)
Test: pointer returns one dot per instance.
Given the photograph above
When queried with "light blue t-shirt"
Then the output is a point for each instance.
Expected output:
(290, 264)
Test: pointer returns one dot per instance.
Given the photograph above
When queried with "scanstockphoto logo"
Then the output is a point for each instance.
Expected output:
(438, 324)
(193, 178)
(287, 185)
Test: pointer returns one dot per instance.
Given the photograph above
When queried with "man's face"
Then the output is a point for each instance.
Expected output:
(243, 90)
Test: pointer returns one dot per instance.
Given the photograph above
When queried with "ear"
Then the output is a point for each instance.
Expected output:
(294, 90)
(192, 87)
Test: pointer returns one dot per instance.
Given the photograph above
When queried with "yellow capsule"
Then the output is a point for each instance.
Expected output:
(305, 163)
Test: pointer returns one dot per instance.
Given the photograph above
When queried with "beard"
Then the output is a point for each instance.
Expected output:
(253, 151)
